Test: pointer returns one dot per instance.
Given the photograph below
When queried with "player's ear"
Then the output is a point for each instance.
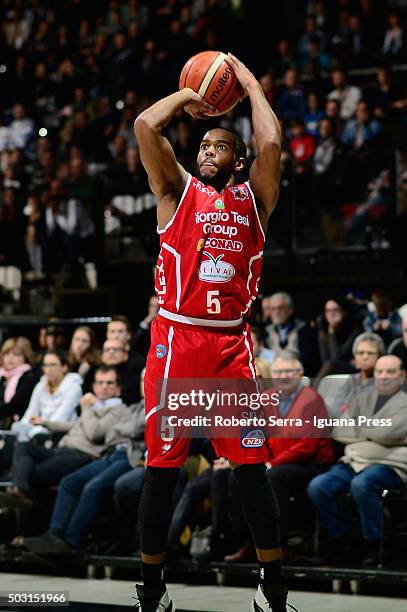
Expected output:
(239, 164)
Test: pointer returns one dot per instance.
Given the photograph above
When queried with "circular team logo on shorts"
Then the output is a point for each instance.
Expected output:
(253, 439)
(160, 351)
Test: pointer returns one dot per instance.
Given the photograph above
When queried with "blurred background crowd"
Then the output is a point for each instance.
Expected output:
(74, 75)
(73, 196)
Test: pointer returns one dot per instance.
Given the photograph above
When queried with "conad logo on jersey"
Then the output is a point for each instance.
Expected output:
(224, 244)
(213, 270)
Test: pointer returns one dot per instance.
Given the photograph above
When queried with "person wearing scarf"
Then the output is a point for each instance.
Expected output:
(17, 379)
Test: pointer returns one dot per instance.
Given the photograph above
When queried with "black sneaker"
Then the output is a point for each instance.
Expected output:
(48, 544)
(271, 599)
(11, 501)
(371, 557)
(153, 599)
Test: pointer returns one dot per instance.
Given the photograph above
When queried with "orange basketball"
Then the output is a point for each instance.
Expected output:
(211, 77)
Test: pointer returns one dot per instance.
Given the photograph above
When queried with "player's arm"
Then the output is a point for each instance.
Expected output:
(265, 170)
(165, 175)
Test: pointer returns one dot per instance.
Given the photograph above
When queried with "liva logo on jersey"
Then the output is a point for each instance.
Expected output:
(213, 270)
(252, 439)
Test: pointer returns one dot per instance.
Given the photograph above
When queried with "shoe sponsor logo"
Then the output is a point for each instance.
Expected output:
(213, 270)
(253, 439)
(160, 351)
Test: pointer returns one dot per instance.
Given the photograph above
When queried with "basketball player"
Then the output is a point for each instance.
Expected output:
(199, 331)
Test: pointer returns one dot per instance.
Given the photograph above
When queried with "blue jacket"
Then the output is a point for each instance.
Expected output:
(370, 130)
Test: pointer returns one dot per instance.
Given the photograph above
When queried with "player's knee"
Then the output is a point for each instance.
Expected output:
(155, 509)
(250, 476)
(161, 477)
(257, 493)
(159, 484)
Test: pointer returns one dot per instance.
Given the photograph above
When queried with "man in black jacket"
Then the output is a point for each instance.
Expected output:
(116, 354)
(286, 332)
(399, 347)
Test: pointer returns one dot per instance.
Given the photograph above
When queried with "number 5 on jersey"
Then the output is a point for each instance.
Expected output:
(212, 302)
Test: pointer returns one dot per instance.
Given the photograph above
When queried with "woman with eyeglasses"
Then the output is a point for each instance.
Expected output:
(17, 378)
(54, 398)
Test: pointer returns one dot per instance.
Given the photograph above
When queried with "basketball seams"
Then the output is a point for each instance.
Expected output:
(186, 75)
(205, 74)
(213, 69)
(196, 66)
(210, 83)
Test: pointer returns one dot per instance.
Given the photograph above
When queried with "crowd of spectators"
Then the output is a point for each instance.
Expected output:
(75, 74)
(78, 433)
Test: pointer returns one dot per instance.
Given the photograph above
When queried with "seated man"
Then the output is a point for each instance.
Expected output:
(399, 347)
(119, 328)
(81, 492)
(375, 459)
(339, 393)
(116, 354)
(36, 467)
(140, 342)
(292, 461)
(259, 350)
(286, 332)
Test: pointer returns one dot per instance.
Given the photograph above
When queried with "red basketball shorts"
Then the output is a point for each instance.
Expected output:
(180, 350)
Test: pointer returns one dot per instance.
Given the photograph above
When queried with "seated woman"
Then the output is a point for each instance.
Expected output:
(17, 379)
(337, 331)
(55, 397)
(84, 355)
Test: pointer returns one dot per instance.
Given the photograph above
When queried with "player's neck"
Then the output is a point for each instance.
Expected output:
(220, 185)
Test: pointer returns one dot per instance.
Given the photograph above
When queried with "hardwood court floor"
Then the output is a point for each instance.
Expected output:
(116, 596)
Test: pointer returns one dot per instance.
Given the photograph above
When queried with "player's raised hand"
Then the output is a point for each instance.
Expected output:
(243, 74)
(197, 106)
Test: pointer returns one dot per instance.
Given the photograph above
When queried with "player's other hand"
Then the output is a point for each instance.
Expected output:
(243, 74)
(197, 107)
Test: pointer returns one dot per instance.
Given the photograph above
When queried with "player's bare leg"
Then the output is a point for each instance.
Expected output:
(262, 514)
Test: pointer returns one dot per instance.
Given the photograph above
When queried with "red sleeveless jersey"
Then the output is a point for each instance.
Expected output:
(210, 260)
